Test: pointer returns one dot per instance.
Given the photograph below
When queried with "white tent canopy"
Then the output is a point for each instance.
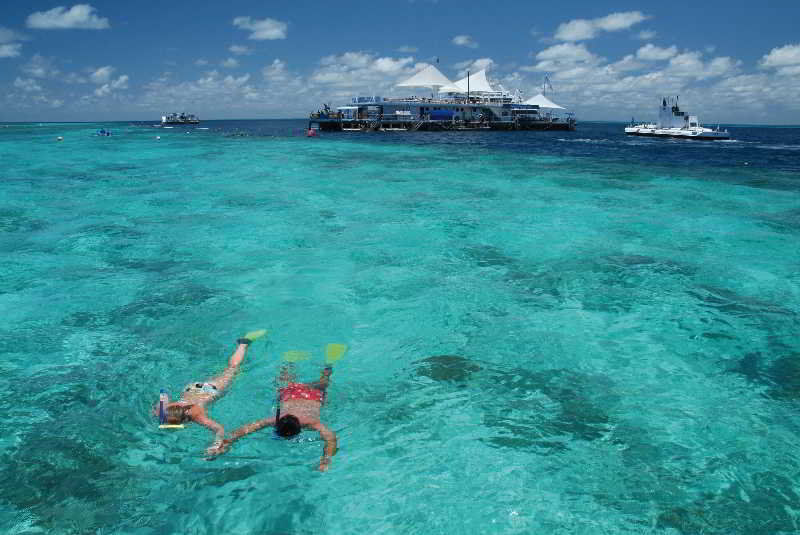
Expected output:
(431, 77)
(477, 82)
(543, 102)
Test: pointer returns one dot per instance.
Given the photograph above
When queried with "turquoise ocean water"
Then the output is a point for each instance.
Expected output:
(574, 333)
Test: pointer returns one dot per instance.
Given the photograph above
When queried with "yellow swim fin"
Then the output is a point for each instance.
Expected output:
(296, 356)
(255, 335)
(333, 352)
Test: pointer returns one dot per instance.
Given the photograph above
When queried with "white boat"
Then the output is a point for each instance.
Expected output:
(179, 118)
(672, 122)
(468, 104)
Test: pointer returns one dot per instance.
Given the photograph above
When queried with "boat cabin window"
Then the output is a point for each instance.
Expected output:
(692, 124)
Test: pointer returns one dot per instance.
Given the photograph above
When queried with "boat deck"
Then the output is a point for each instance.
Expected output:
(392, 124)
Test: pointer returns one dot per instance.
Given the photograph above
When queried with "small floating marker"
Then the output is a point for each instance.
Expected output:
(747, 163)
(158, 137)
(59, 138)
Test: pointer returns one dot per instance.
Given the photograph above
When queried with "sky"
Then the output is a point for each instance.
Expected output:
(730, 61)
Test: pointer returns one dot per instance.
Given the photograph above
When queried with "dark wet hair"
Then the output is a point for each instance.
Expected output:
(287, 426)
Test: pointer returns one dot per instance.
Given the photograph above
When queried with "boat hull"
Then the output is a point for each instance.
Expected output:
(533, 125)
(334, 125)
(709, 135)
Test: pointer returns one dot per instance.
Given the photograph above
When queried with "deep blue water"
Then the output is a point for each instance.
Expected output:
(549, 332)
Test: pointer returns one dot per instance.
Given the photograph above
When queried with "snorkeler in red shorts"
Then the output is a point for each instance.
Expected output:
(299, 407)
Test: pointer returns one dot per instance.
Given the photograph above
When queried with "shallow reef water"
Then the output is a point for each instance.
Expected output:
(548, 332)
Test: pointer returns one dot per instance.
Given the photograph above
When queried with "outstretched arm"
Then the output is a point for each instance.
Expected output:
(330, 445)
(252, 427)
(201, 418)
(239, 433)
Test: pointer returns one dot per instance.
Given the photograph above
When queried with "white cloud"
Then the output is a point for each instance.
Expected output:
(576, 30)
(391, 65)
(562, 57)
(213, 91)
(582, 29)
(710, 86)
(120, 83)
(275, 71)
(11, 50)
(628, 63)
(230, 63)
(782, 56)
(690, 65)
(201, 62)
(75, 78)
(107, 89)
(786, 59)
(28, 84)
(79, 16)
(43, 100)
(266, 29)
(646, 35)
(40, 67)
(620, 21)
(352, 72)
(473, 66)
(407, 49)
(240, 50)
(8, 35)
(101, 75)
(650, 52)
(464, 40)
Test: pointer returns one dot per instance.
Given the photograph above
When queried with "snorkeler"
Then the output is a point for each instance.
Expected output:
(299, 407)
(195, 396)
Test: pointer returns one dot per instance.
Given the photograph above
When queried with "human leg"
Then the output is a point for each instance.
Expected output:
(224, 379)
(287, 375)
(324, 379)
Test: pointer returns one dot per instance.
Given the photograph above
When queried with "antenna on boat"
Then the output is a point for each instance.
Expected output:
(545, 84)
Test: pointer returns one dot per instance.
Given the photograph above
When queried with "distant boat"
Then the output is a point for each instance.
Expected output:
(672, 122)
(468, 104)
(179, 118)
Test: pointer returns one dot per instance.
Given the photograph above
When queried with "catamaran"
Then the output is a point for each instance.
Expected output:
(468, 104)
(672, 122)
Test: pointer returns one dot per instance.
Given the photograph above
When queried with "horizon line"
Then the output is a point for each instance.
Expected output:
(305, 119)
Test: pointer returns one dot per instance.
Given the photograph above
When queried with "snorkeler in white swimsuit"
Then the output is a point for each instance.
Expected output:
(191, 407)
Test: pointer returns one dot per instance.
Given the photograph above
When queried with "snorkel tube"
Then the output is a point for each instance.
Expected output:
(275, 435)
(163, 400)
